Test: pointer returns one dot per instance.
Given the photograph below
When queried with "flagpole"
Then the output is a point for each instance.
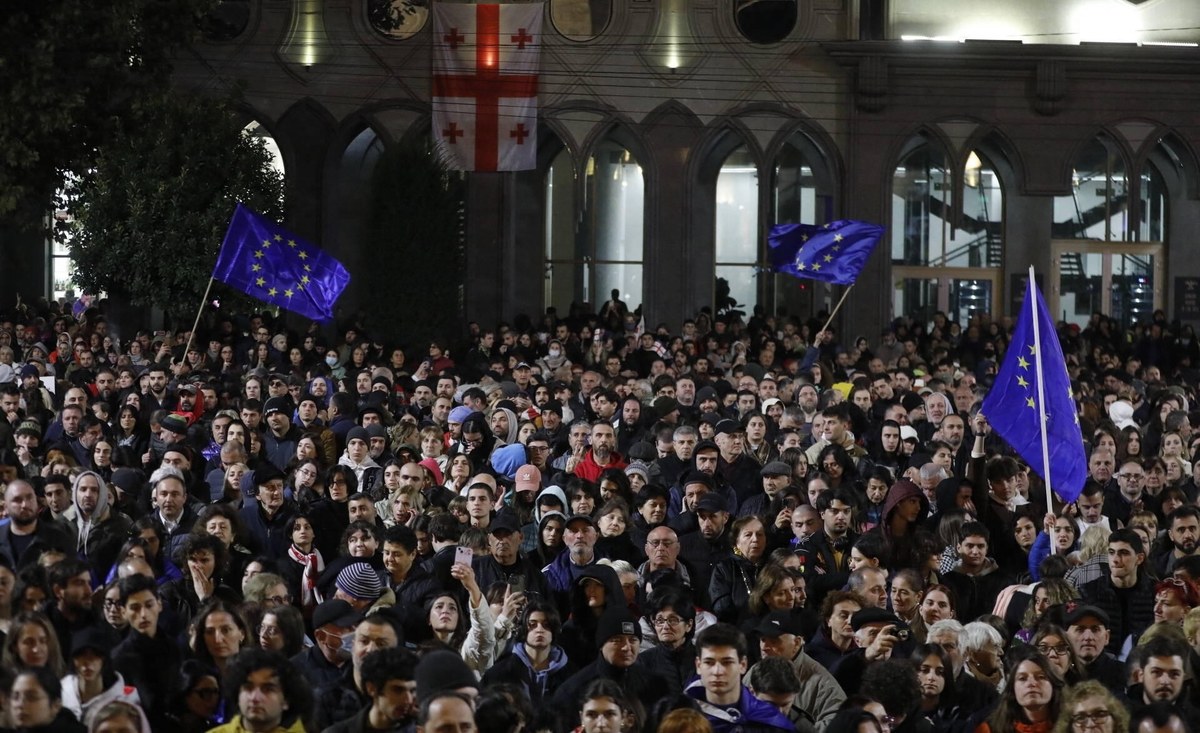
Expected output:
(1041, 388)
(837, 307)
(196, 323)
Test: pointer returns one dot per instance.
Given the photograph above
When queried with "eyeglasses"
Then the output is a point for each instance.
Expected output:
(1132, 476)
(268, 630)
(278, 600)
(1091, 718)
(1057, 650)
(112, 603)
(667, 621)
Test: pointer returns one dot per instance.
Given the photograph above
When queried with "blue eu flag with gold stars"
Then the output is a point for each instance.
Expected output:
(835, 252)
(1012, 407)
(265, 261)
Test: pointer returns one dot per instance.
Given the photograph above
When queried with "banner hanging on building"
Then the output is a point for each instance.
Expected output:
(485, 85)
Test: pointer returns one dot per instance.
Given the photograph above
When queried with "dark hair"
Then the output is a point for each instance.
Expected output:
(923, 652)
(553, 619)
(872, 546)
(398, 534)
(62, 572)
(295, 688)
(974, 529)
(46, 678)
(894, 683)
(775, 676)
(394, 663)
(291, 626)
(427, 703)
(445, 528)
(504, 708)
(1130, 537)
(605, 687)
(136, 584)
(190, 674)
(357, 526)
(721, 634)
(1007, 712)
(193, 543)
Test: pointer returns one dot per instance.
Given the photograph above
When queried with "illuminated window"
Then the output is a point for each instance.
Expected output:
(589, 255)
(737, 236)
(580, 20)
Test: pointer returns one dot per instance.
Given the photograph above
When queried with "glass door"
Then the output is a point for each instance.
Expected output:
(1121, 280)
(959, 292)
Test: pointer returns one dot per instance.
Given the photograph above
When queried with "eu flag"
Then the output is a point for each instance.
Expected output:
(1012, 407)
(265, 261)
(835, 252)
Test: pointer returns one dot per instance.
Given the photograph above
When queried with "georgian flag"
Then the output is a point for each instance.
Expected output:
(485, 85)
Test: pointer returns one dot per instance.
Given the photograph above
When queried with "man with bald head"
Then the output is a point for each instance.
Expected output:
(25, 537)
(662, 551)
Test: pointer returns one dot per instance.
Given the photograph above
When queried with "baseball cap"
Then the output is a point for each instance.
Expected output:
(528, 478)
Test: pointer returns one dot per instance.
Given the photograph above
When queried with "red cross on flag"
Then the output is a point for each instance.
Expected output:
(485, 85)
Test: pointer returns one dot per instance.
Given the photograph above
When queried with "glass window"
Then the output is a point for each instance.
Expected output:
(580, 20)
(765, 21)
(737, 238)
(1098, 206)
(589, 255)
(398, 19)
(922, 200)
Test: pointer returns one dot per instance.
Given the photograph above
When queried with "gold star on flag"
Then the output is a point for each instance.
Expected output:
(1032, 349)
(1022, 363)
(299, 287)
(278, 237)
(837, 237)
(836, 248)
(816, 266)
(292, 243)
(289, 292)
(801, 267)
(303, 255)
(828, 225)
(304, 279)
(307, 268)
(260, 282)
(258, 253)
(255, 267)
(1029, 401)
(272, 292)
(266, 243)
(1022, 381)
(829, 258)
(803, 237)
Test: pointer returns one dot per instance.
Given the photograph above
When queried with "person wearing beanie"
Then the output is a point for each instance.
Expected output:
(358, 584)
(442, 670)
(619, 639)
(357, 458)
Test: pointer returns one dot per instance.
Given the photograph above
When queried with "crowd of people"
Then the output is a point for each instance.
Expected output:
(575, 525)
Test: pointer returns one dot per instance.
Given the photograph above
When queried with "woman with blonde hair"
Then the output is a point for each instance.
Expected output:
(1089, 707)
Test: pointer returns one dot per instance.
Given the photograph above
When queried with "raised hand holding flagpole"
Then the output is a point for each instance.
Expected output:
(834, 253)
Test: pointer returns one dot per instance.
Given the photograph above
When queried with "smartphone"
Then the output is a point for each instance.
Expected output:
(516, 583)
(463, 555)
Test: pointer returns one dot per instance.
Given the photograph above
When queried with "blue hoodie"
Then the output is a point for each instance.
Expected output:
(750, 715)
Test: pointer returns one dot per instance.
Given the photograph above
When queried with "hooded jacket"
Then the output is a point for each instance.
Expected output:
(579, 632)
(540, 685)
(510, 437)
(749, 715)
(99, 539)
(904, 548)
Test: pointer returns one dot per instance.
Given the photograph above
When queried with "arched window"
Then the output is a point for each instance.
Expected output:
(765, 21)
(226, 21)
(736, 236)
(595, 246)
(942, 260)
(397, 19)
(258, 132)
(803, 193)
(580, 20)
(1108, 251)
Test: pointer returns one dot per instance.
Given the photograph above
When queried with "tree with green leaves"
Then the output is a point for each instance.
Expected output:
(415, 244)
(149, 218)
(69, 73)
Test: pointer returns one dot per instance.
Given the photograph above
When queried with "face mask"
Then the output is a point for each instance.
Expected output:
(331, 360)
(555, 352)
(348, 643)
